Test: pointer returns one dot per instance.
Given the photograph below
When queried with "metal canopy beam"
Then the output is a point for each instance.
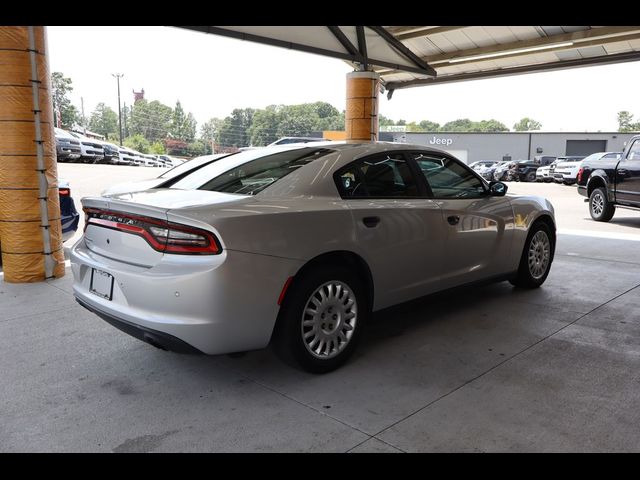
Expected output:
(561, 65)
(402, 63)
(355, 58)
(400, 47)
(344, 41)
(362, 45)
(580, 39)
(575, 37)
(424, 31)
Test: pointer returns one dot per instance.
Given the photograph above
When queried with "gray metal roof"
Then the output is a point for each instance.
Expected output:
(409, 56)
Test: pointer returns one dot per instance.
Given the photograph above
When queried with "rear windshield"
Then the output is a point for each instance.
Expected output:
(189, 165)
(253, 176)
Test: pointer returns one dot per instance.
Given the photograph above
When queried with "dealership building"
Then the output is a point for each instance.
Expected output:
(471, 147)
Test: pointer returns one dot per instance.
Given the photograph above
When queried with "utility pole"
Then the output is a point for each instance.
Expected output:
(126, 132)
(118, 76)
(84, 123)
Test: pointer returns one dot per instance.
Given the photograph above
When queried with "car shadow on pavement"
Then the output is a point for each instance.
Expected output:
(404, 318)
(626, 221)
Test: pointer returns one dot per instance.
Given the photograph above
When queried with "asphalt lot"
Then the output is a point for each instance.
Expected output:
(485, 369)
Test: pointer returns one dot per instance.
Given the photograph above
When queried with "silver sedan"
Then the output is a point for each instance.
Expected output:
(298, 245)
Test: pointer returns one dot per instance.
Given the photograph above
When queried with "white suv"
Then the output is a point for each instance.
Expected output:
(565, 169)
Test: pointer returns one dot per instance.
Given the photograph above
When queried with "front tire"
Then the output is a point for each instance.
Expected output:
(321, 319)
(537, 255)
(530, 177)
(600, 208)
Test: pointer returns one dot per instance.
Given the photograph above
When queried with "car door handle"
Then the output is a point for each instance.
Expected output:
(622, 171)
(371, 222)
(453, 219)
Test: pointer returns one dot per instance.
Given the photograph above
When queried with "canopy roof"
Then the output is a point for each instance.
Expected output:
(409, 56)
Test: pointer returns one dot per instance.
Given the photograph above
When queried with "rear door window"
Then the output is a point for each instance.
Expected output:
(380, 176)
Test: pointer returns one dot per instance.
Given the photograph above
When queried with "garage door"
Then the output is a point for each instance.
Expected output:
(585, 147)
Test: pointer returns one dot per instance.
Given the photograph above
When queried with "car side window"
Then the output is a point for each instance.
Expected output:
(634, 151)
(448, 178)
(383, 176)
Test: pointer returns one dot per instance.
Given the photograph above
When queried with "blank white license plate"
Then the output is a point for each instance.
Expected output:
(101, 284)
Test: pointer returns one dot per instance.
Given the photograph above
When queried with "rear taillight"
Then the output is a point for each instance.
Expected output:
(65, 192)
(579, 176)
(163, 236)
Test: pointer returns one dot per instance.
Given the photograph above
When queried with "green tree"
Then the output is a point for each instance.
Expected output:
(104, 121)
(152, 120)
(489, 126)
(335, 122)
(178, 120)
(157, 148)
(138, 142)
(401, 122)
(460, 125)
(297, 120)
(384, 121)
(429, 126)
(235, 127)
(413, 127)
(264, 126)
(60, 89)
(190, 127)
(126, 120)
(527, 124)
(196, 148)
(210, 130)
(625, 122)
(325, 110)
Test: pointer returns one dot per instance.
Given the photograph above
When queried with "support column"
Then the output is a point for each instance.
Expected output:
(30, 228)
(361, 117)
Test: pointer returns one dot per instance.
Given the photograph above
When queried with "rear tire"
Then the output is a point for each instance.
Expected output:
(537, 256)
(321, 319)
(600, 208)
(530, 177)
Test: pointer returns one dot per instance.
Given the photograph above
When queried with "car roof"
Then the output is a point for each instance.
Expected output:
(315, 177)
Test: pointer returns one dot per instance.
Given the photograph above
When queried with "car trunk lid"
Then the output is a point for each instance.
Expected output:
(116, 224)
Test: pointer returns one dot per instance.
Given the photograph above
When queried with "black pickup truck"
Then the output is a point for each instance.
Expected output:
(608, 183)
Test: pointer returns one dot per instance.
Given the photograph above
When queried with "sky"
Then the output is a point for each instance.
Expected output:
(212, 75)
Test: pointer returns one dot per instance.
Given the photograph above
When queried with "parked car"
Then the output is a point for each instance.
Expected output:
(488, 171)
(543, 174)
(483, 166)
(111, 152)
(609, 181)
(91, 151)
(126, 156)
(170, 162)
(525, 171)
(67, 146)
(165, 179)
(69, 216)
(300, 244)
(504, 172)
(544, 160)
(565, 169)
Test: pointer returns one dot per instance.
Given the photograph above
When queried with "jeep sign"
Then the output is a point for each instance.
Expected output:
(441, 141)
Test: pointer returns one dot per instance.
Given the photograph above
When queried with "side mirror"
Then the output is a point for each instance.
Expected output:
(497, 189)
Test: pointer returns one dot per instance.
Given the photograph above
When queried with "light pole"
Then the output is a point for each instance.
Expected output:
(118, 76)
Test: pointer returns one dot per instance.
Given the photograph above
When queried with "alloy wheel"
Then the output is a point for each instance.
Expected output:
(539, 254)
(329, 319)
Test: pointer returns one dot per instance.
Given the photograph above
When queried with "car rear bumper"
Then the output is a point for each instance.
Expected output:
(161, 340)
(214, 303)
